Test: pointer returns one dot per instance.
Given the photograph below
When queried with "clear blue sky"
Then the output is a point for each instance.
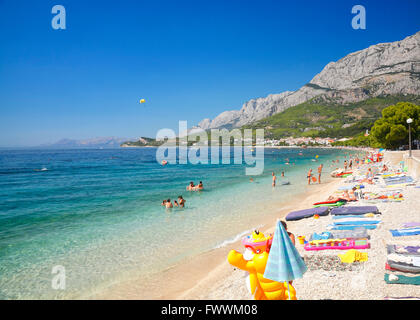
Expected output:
(189, 59)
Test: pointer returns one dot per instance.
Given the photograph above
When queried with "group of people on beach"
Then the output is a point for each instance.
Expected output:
(168, 204)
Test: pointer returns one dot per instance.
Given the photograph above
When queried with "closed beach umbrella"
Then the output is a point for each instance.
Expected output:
(284, 261)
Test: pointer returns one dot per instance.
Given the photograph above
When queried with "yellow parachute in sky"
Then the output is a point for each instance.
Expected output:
(142, 100)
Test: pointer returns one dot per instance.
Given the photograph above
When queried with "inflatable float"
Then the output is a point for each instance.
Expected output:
(254, 261)
(306, 213)
(354, 210)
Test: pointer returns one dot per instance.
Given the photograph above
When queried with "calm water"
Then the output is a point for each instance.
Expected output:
(98, 213)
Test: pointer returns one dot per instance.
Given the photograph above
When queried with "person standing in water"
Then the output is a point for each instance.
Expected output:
(309, 175)
(320, 172)
(168, 204)
(181, 201)
(274, 179)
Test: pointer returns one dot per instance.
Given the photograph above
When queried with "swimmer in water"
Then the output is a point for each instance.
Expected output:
(168, 204)
(198, 187)
(181, 201)
(190, 186)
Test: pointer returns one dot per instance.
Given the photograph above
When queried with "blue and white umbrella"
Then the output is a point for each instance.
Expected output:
(284, 261)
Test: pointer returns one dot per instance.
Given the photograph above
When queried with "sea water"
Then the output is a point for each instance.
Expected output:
(97, 213)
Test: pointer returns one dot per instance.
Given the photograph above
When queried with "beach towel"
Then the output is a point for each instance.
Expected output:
(350, 227)
(361, 216)
(405, 232)
(306, 213)
(354, 210)
(402, 259)
(356, 222)
(321, 236)
(404, 250)
(357, 233)
(401, 279)
(411, 224)
(353, 255)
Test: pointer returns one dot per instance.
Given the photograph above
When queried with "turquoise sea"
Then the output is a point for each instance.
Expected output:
(98, 213)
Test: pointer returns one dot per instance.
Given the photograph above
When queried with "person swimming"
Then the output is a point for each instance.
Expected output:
(191, 186)
(168, 204)
(181, 201)
(199, 187)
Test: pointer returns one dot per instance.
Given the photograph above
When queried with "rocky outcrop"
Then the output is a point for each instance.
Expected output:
(382, 69)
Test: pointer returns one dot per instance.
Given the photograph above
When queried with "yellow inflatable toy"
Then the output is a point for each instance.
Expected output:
(254, 261)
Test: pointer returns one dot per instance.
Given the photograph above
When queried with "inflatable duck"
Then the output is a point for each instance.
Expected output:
(254, 261)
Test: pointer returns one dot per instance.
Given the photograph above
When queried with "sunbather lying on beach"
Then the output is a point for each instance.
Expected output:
(291, 235)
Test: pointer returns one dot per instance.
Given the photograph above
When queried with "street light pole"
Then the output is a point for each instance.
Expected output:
(409, 121)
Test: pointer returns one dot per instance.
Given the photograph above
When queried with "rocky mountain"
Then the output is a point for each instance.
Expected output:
(103, 142)
(380, 70)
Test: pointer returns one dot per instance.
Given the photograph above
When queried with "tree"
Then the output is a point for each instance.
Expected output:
(391, 131)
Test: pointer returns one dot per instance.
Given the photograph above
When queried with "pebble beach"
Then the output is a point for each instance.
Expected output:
(356, 281)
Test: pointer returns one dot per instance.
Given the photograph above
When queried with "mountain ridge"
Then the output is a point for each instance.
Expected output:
(391, 68)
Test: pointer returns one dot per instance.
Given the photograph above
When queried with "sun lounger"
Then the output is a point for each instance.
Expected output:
(306, 213)
(354, 210)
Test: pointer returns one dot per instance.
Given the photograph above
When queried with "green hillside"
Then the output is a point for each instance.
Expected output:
(327, 119)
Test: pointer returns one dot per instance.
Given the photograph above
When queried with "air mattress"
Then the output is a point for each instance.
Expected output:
(354, 210)
(306, 213)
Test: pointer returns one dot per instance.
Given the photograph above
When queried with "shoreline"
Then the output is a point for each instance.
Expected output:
(205, 269)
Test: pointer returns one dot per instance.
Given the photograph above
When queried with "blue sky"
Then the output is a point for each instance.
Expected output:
(189, 59)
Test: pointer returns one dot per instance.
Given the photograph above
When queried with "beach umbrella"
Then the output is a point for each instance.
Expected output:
(284, 261)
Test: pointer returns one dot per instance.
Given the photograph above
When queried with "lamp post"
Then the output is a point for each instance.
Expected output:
(409, 121)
